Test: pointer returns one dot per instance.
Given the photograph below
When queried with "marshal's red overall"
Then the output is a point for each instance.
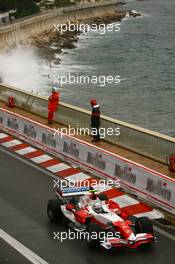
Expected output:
(53, 104)
(171, 162)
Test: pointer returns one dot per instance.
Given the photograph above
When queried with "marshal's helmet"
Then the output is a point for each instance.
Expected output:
(54, 89)
(93, 101)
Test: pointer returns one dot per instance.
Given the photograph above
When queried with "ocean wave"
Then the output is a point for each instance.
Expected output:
(14, 73)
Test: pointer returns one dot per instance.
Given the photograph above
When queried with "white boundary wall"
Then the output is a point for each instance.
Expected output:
(139, 180)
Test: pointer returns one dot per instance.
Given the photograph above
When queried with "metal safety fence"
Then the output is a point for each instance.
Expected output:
(142, 141)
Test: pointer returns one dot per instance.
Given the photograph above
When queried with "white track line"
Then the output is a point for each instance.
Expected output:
(11, 143)
(2, 135)
(41, 158)
(78, 177)
(26, 150)
(58, 167)
(27, 253)
(125, 200)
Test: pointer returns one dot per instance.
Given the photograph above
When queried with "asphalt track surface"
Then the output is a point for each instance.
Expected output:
(9, 255)
(24, 192)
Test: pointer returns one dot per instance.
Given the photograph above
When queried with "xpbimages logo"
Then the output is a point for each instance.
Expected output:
(99, 28)
(76, 78)
(81, 131)
(99, 185)
(101, 236)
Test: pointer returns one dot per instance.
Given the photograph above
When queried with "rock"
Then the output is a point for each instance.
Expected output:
(68, 45)
(134, 13)
(52, 42)
(56, 61)
(120, 3)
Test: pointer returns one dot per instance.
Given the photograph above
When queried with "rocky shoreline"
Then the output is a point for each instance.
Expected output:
(51, 43)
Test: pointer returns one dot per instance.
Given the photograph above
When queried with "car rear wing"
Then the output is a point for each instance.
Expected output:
(65, 192)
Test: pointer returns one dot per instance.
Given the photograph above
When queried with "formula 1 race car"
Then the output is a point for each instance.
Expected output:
(87, 211)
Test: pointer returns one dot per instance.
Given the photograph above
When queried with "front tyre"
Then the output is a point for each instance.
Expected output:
(144, 225)
(53, 210)
(93, 238)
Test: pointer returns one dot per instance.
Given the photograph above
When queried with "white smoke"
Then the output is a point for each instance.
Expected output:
(21, 67)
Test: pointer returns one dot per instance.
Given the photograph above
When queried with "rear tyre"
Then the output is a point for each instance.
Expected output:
(53, 210)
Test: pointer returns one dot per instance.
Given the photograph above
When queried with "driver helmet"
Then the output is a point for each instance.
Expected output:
(97, 207)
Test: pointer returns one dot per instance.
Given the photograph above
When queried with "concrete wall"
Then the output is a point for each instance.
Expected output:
(11, 34)
(137, 139)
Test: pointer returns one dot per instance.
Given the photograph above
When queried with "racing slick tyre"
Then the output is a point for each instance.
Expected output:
(102, 197)
(144, 225)
(93, 238)
(53, 210)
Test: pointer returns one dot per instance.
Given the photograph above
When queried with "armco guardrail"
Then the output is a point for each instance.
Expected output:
(134, 138)
(137, 179)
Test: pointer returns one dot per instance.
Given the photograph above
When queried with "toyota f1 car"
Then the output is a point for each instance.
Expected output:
(88, 211)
